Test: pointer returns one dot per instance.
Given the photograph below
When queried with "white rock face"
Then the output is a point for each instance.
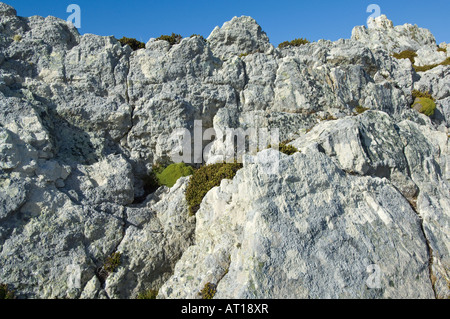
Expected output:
(311, 232)
(241, 34)
(381, 33)
(84, 119)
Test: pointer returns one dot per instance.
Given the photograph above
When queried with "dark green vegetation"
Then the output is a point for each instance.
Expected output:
(418, 94)
(427, 105)
(170, 175)
(198, 36)
(5, 293)
(360, 109)
(163, 176)
(133, 43)
(204, 179)
(208, 291)
(148, 294)
(424, 102)
(431, 66)
(411, 55)
(293, 43)
(288, 149)
(112, 262)
(408, 54)
(172, 39)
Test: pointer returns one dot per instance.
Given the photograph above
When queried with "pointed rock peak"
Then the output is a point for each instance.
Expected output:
(381, 22)
(243, 22)
(7, 10)
(241, 35)
(382, 34)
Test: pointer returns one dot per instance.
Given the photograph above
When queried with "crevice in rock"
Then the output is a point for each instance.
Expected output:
(100, 272)
(413, 204)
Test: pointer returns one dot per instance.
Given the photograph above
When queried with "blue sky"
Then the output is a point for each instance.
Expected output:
(280, 19)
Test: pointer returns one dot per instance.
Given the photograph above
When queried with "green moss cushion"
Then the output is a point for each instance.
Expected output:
(424, 105)
(172, 173)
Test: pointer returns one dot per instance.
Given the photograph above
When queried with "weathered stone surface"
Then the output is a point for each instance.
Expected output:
(311, 232)
(381, 33)
(84, 119)
(154, 240)
(241, 35)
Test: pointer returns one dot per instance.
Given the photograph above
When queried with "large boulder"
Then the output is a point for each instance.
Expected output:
(312, 231)
(241, 35)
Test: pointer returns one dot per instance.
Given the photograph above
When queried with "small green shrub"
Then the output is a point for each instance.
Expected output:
(288, 149)
(328, 117)
(172, 39)
(133, 43)
(112, 262)
(431, 66)
(424, 67)
(198, 36)
(17, 38)
(294, 43)
(172, 173)
(209, 291)
(5, 293)
(407, 54)
(148, 294)
(445, 62)
(204, 179)
(417, 94)
(427, 105)
(360, 109)
(442, 50)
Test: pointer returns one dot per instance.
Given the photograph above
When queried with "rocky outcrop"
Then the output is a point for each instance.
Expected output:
(381, 34)
(311, 232)
(357, 198)
(84, 119)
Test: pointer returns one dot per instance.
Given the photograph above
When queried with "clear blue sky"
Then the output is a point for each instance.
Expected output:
(280, 19)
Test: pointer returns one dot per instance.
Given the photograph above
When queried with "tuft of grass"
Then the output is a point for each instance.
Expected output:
(328, 117)
(418, 94)
(445, 62)
(209, 291)
(172, 39)
(133, 43)
(424, 67)
(5, 293)
(427, 105)
(148, 294)
(198, 36)
(431, 66)
(17, 38)
(288, 149)
(170, 175)
(206, 178)
(360, 109)
(442, 50)
(407, 54)
(294, 43)
(112, 262)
